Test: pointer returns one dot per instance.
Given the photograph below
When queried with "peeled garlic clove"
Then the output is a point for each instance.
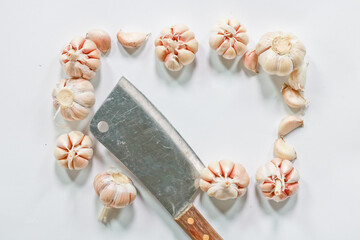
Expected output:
(131, 39)
(288, 124)
(73, 150)
(80, 58)
(115, 190)
(292, 97)
(297, 78)
(224, 180)
(283, 150)
(250, 60)
(278, 179)
(228, 38)
(73, 98)
(280, 53)
(101, 38)
(176, 46)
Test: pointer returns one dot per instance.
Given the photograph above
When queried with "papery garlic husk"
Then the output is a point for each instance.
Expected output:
(229, 38)
(297, 78)
(131, 39)
(101, 38)
(288, 124)
(80, 58)
(280, 53)
(176, 46)
(278, 179)
(250, 60)
(115, 190)
(292, 97)
(73, 98)
(73, 150)
(283, 150)
(224, 180)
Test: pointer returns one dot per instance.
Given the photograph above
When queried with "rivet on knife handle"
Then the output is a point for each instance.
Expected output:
(196, 226)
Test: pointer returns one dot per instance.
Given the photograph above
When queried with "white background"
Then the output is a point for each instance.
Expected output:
(222, 110)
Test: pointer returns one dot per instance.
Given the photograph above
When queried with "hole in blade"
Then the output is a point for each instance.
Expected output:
(103, 126)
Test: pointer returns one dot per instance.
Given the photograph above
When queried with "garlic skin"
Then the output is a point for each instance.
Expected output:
(250, 60)
(283, 150)
(288, 124)
(80, 58)
(101, 38)
(115, 190)
(73, 98)
(297, 78)
(280, 53)
(73, 150)
(131, 39)
(176, 46)
(224, 180)
(229, 38)
(278, 179)
(292, 97)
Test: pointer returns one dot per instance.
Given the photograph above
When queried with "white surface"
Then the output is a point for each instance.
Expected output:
(221, 112)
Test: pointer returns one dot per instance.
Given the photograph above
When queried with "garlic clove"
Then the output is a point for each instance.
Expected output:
(292, 97)
(283, 150)
(187, 36)
(185, 57)
(215, 168)
(160, 52)
(239, 47)
(131, 39)
(269, 61)
(207, 175)
(101, 38)
(223, 47)
(204, 185)
(172, 63)
(297, 78)
(285, 66)
(250, 60)
(288, 124)
(215, 40)
(226, 167)
(230, 53)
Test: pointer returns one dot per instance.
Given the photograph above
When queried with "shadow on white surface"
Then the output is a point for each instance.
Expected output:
(270, 206)
(221, 64)
(79, 177)
(181, 77)
(218, 208)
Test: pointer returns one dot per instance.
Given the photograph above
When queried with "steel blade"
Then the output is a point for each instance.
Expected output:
(149, 146)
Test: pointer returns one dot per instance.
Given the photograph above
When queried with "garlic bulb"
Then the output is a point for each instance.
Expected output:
(101, 38)
(229, 38)
(283, 150)
(73, 98)
(80, 58)
(278, 179)
(250, 60)
(176, 46)
(115, 190)
(280, 53)
(297, 78)
(131, 39)
(288, 124)
(73, 150)
(292, 97)
(224, 180)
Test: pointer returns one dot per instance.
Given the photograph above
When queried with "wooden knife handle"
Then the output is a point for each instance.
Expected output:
(196, 226)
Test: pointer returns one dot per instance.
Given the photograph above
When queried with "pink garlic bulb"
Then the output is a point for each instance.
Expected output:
(278, 179)
(73, 150)
(280, 53)
(224, 180)
(115, 190)
(73, 98)
(229, 38)
(176, 46)
(80, 58)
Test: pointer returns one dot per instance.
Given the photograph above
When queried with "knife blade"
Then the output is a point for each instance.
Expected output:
(150, 147)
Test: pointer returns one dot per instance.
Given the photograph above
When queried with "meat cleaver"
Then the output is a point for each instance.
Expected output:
(131, 128)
